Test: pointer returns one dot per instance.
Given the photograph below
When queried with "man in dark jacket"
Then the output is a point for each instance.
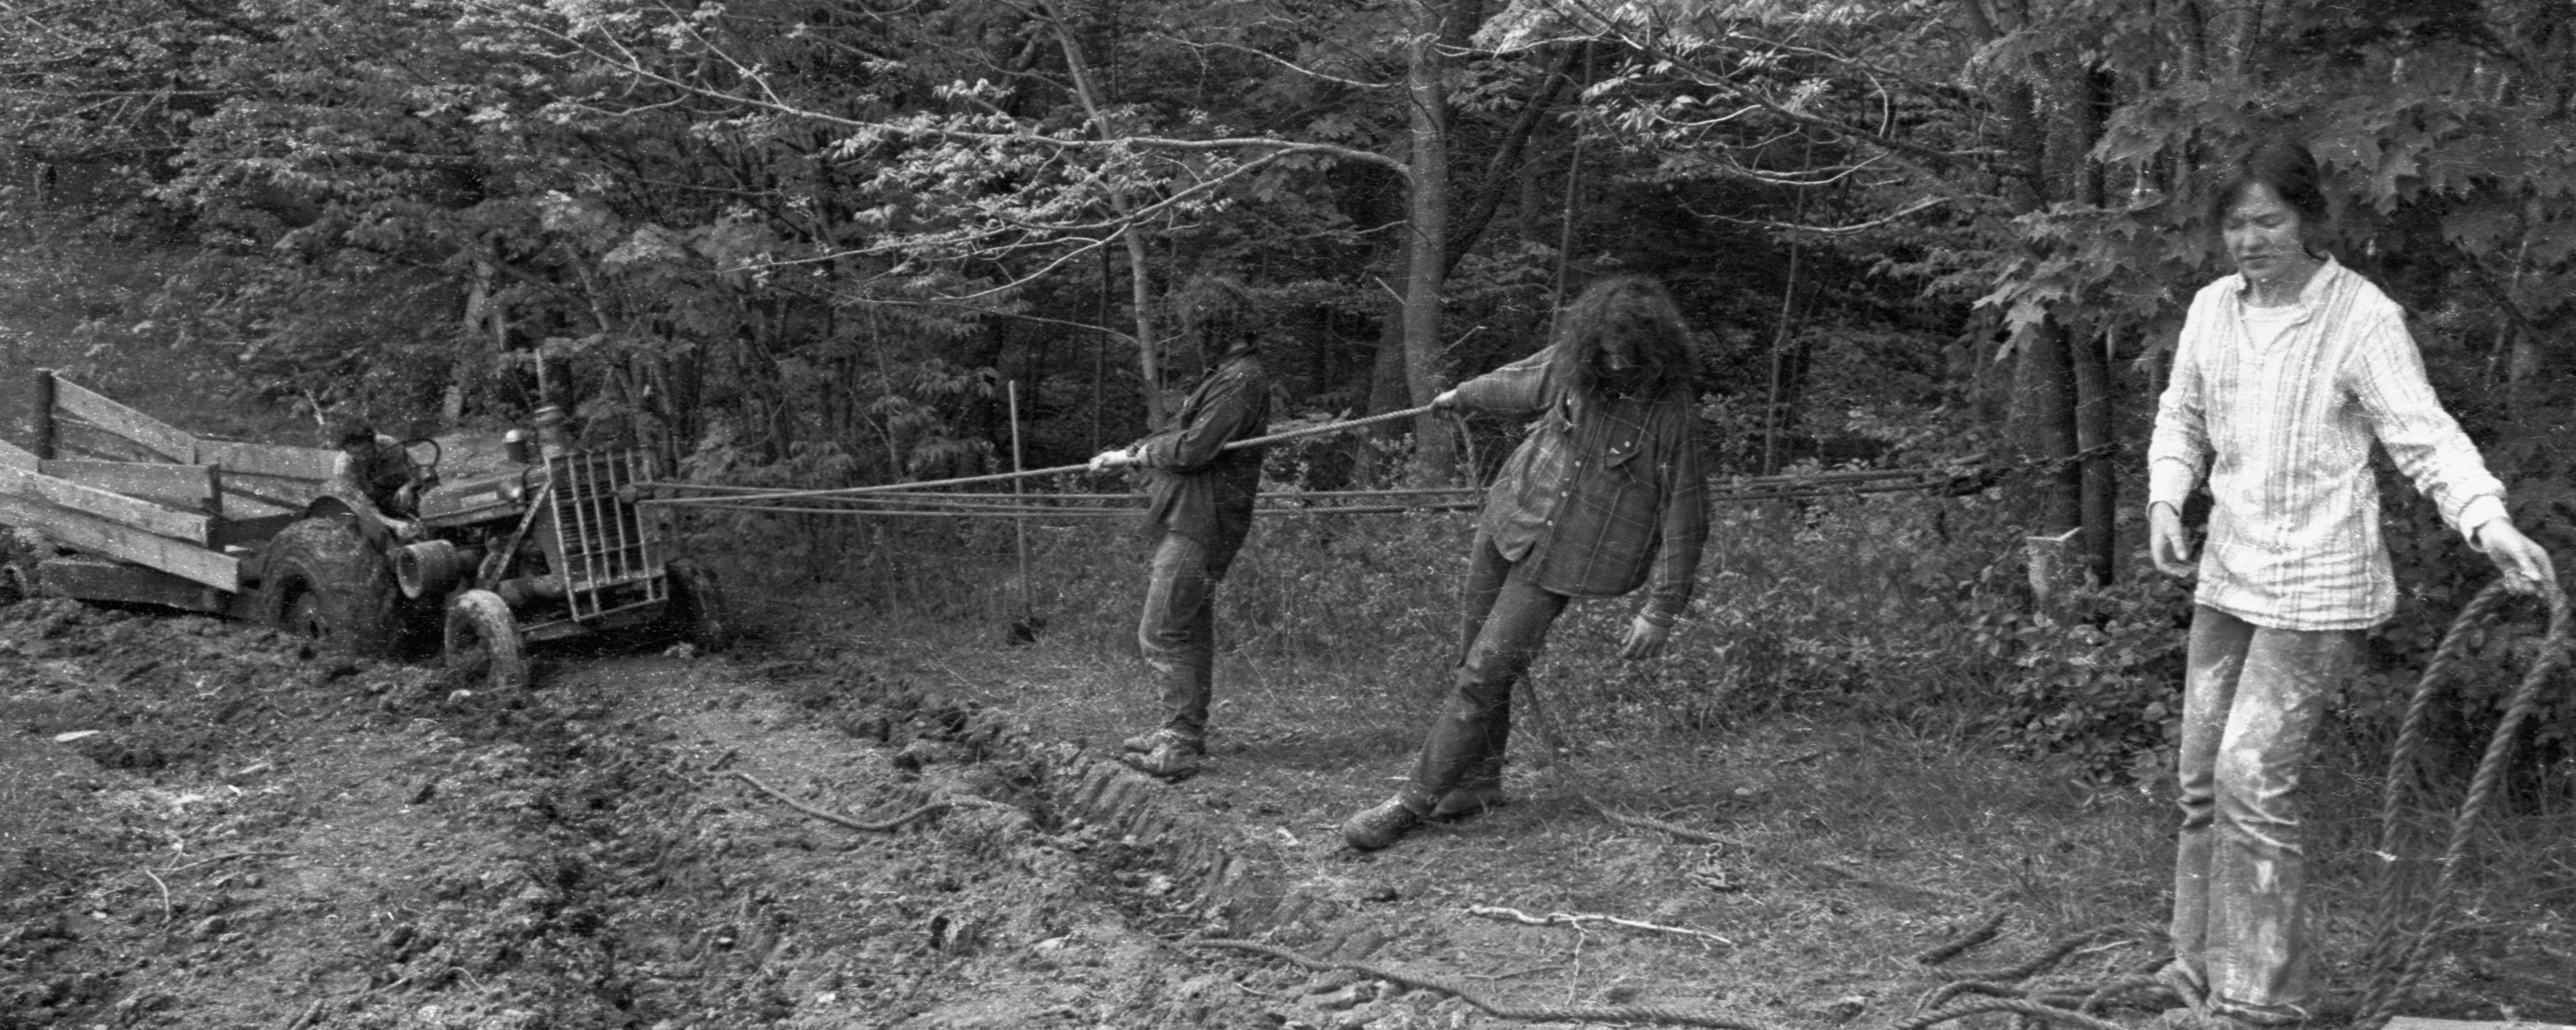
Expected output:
(1604, 496)
(1201, 511)
(378, 467)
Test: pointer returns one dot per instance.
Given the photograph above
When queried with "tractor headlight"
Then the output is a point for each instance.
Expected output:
(514, 490)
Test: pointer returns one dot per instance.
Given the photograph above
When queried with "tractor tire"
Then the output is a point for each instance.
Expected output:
(322, 582)
(483, 641)
(698, 612)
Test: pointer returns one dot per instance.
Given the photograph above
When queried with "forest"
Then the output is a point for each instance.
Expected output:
(817, 244)
(828, 242)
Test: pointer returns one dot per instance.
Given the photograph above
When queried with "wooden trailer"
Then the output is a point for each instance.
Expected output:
(114, 505)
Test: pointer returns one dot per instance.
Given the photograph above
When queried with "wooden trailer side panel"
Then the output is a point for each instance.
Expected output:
(151, 435)
(185, 487)
(193, 561)
(115, 508)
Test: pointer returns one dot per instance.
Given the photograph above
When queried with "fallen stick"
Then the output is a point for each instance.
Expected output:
(1645, 822)
(837, 819)
(1983, 932)
(1583, 1013)
(165, 893)
(312, 1012)
(227, 858)
(1579, 918)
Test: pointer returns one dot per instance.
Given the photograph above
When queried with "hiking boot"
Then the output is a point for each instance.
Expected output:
(1150, 740)
(1467, 801)
(1172, 759)
(1380, 826)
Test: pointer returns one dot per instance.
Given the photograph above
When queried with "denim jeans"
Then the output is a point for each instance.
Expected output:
(1177, 632)
(1503, 622)
(2251, 699)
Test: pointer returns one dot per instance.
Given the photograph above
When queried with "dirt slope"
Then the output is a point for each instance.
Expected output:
(248, 837)
(202, 824)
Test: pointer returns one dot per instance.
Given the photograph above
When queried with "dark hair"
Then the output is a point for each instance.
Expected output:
(2292, 174)
(349, 432)
(1634, 311)
(1218, 310)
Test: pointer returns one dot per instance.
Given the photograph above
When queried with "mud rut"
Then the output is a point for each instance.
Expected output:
(255, 836)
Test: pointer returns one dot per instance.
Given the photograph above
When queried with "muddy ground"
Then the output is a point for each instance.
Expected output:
(204, 824)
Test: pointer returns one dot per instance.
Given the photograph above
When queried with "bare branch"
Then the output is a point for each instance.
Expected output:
(1280, 61)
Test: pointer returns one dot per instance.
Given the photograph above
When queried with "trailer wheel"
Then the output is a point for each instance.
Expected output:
(321, 581)
(698, 612)
(483, 640)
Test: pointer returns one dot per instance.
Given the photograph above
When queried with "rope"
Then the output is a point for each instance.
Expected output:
(2401, 951)
(997, 477)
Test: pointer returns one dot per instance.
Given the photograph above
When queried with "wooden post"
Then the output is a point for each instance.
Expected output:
(2056, 565)
(1025, 628)
(40, 404)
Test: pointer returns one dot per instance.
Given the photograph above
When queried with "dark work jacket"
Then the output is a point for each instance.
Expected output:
(1198, 489)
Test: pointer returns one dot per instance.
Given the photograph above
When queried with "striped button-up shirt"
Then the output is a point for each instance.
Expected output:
(1603, 494)
(2285, 422)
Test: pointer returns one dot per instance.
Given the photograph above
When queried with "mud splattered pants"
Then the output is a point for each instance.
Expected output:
(1502, 623)
(1177, 632)
(2251, 699)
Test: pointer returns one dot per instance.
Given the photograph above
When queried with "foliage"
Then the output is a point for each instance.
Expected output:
(2100, 683)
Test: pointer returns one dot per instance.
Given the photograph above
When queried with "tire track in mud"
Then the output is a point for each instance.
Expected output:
(254, 836)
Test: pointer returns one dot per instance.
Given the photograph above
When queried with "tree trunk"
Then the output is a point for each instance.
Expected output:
(1141, 289)
(1426, 238)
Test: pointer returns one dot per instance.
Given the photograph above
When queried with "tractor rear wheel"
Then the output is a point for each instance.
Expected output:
(483, 641)
(322, 582)
(698, 612)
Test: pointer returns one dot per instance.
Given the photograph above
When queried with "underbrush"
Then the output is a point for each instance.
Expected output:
(1883, 613)
(86, 304)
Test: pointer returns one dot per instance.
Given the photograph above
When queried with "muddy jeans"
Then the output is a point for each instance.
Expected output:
(1503, 622)
(1178, 631)
(2251, 699)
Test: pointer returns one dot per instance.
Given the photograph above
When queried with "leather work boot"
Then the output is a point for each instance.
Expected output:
(1166, 753)
(1378, 827)
(1148, 741)
(1467, 801)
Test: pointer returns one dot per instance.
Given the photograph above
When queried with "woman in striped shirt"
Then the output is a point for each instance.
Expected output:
(2285, 373)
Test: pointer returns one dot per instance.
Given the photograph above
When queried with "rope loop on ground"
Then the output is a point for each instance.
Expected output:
(2399, 953)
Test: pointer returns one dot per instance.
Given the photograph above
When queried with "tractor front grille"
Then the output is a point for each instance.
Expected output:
(607, 557)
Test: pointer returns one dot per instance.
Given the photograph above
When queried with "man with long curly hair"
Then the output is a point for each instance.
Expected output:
(1602, 497)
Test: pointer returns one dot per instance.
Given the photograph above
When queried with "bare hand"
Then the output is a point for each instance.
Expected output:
(1645, 638)
(2167, 543)
(2524, 564)
(1447, 400)
(1106, 460)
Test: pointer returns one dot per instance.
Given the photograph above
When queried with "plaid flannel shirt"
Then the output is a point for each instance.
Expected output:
(2294, 535)
(1602, 494)
(1196, 487)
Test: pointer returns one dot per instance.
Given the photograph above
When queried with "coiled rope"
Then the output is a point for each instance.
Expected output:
(2401, 950)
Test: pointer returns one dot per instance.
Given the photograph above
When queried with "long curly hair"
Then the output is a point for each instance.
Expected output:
(1218, 312)
(1624, 320)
